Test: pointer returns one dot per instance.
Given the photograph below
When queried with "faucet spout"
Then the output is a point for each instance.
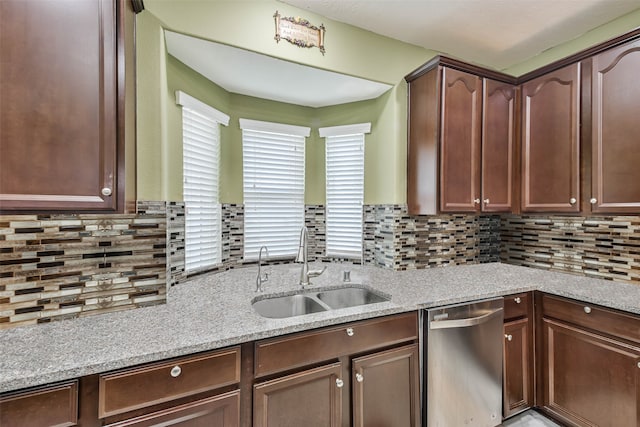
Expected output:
(261, 279)
(303, 257)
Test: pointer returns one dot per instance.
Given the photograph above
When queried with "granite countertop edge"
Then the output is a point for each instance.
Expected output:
(214, 311)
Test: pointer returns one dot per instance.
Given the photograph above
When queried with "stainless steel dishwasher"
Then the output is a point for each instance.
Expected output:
(463, 364)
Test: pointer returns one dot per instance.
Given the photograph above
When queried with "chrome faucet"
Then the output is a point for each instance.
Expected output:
(260, 279)
(305, 273)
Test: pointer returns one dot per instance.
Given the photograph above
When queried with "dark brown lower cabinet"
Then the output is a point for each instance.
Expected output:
(55, 405)
(386, 388)
(517, 379)
(217, 411)
(590, 379)
(311, 398)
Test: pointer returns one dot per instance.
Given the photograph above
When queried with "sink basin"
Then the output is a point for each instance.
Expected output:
(349, 297)
(307, 302)
(287, 306)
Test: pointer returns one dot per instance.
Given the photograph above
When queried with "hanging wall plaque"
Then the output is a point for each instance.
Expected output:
(299, 31)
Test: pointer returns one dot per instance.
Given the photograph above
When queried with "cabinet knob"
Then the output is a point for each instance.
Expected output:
(476, 201)
(508, 337)
(176, 371)
(593, 201)
(517, 300)
(339, 383)
(486, 201)
(638, 364)
(106, 191)
(359, 377)
(587, 309)
(350, 332)
(573, 200)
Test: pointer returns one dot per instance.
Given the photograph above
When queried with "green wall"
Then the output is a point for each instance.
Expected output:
(249, 25)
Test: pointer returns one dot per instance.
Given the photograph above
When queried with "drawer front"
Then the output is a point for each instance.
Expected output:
(306, 348)
(130, 389)
(217, 411)
(603, 320)
(55, 405)
(517, 306)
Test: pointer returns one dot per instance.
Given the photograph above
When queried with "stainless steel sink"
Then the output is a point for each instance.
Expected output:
(306, 302)
(349, 297)
(287, 306)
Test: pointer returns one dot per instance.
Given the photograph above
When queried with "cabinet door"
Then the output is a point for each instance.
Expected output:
(498, 134)
(590, 380)
(386, 388)
(461, 109)
(615, 148)
(55, 405)
(58, 105)
(216, 411)
(518, 372)
(550, 142)
(310, 398)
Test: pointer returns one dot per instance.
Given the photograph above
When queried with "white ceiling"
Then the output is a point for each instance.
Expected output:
(249, 73)
(494, 33)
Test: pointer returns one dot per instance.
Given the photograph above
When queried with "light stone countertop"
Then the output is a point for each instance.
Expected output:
(214, 311)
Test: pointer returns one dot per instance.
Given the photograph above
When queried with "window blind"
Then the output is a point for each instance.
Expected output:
(201, 161)
(345, 195)
(273, 173)
(345, 189)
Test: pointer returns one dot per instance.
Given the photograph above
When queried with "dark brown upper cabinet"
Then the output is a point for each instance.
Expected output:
(551, 142)
(62, 105)
(461, 139)
(615, 149)
(460, 145)
(499, 119)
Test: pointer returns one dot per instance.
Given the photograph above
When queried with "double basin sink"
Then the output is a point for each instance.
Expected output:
(306, 301)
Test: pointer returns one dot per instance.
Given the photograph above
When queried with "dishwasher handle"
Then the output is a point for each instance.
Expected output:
(463, 323)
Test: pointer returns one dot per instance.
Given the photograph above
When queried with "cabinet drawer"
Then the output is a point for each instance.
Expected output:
(603, 320)
(306, 348)
(516, 306)
(216, 411)
(55, 405)
(135, 388)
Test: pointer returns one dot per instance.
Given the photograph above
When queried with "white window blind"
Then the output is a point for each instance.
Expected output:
(201, 162)
(273, 173)
(345, 189)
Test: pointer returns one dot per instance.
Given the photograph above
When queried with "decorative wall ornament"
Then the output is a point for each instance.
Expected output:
(299, 31)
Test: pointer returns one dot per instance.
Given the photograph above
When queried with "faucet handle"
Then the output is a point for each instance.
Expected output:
(316, 273)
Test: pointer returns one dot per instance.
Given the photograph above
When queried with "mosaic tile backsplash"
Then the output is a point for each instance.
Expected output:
(607, 247)
(64, 266)
(56, 267)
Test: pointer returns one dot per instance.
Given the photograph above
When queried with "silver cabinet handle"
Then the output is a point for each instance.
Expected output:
(176, 371)
(638, 364)
(359, 377)
(572, 200)
(350, 332)
(508, 337)
(476, 201)
(593, 201)
(587, 309)
(339, 383)
(517, 300)
(486, 201)
(106, 191)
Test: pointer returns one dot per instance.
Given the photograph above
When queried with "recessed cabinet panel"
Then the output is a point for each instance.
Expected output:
(616, 130)
(518, 378)
(58, 105)
(590, 380)
(460, 141)
(55, 405)
(311, 398)
(550, 142)
(498, 144)
(386, 389)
